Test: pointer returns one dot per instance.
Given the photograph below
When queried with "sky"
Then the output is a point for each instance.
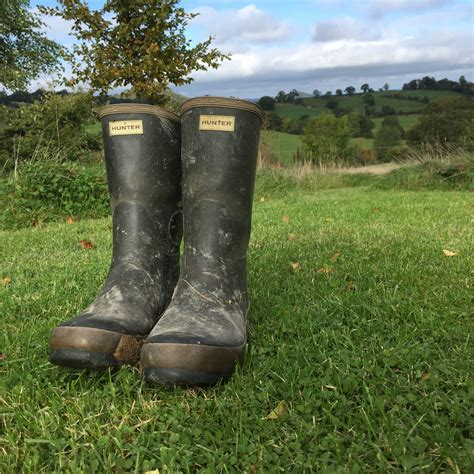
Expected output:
(322, 44)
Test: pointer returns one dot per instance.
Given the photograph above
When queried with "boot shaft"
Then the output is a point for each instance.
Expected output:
(142, 157)
(219, 153)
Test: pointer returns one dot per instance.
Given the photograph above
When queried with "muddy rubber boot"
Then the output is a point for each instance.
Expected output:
(142, 156)
(203, 333)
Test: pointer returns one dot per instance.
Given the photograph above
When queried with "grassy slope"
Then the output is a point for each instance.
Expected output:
(372, 355)
(314, 106)
(283, 145)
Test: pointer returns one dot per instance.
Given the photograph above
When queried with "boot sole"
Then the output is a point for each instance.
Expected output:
(91, 348)
(189, 364)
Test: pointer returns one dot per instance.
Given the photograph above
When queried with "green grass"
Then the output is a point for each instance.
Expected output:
(282, 145)
(314, 106)
(368, 344)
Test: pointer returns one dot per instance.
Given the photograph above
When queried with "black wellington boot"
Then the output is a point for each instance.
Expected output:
(142, 156)
(203, 333)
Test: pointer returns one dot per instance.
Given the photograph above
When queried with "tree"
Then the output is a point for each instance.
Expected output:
(139, 44)
(25, 51)
(448, 121)
(392, 121)
(386, 87)
(387, 139)
(338, 91)
(364, 88)
(360, 125)
(266, 102)
(273, 121)
(280, 98)
(328, 93)
(350, 90)
(316, 93)
(327, 138)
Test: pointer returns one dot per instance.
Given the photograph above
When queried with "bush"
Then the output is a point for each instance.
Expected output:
(387, 141)
(327, 139)
(43, 190)
(447, 122)
(54, 123)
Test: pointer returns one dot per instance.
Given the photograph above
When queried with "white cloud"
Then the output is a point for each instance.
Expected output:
(247, 24)
(383, 7)
(344, 28)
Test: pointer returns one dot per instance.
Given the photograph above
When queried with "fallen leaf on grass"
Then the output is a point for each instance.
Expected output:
(253, 468)
(449, 253)
(351, 286)
(336, 256)
(295, 266)
(425, 375)
(85, 244)
(155, 471)
(330, 387)
(285, 218)
(69, 221)
(292, 237)
(3, 356)
(278, 411)
(326, 270)
(262, 199)
(6, 281)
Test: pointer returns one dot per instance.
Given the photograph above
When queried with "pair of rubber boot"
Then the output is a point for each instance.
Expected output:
(188, 325)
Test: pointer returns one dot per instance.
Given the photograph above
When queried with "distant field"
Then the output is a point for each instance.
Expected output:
(314, 106)
(282, 145)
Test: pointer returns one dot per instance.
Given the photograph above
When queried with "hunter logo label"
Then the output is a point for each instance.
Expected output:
(126, 127)
(221, 123)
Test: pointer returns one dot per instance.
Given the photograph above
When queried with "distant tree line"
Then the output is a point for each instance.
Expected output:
(430, 83)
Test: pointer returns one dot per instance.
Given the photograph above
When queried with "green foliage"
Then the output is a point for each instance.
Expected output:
(25, 51)
(326, 139)
(45, 190)
(138, 44)
(57, 124)
(393, 121)
(266, 102)
(449, 121)
(360, 125)
(388, 140)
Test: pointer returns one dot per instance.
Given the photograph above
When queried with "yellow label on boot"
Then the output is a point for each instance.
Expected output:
(126, 127)
(221, 123)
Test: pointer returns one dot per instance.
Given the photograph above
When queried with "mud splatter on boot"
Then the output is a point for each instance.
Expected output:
(202, 335)
(142, 156)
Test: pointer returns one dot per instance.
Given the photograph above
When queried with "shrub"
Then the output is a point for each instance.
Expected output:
(45, 189)
(448, 121)
(327, 139)
(56, 122)
(387, 140)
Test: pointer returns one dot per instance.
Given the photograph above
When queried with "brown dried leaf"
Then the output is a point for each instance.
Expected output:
(85, 244)
(69, 221)
(285, 219)
(425, 375)
(6, 281)
(278, 411)
(336, 256)
(292, 237)
(326, 270)
(296, 266)
(2, 356)
(449, 253)
(351, 286)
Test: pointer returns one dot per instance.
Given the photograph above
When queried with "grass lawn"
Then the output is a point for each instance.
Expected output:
(282, 145)
(360, 334)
